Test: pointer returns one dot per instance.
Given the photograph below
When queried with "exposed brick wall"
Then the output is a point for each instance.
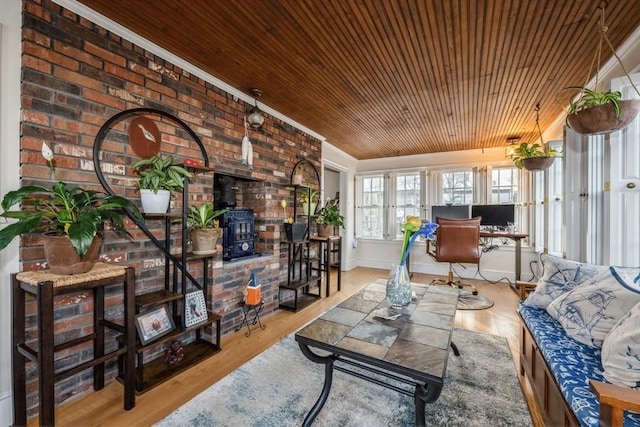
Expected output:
(77, 75)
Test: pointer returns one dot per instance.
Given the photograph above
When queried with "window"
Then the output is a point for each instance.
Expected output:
(371, 208)
(457, 187)
(407, 198)
(504, 185)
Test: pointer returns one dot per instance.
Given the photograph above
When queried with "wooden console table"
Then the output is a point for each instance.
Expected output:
(44, 286)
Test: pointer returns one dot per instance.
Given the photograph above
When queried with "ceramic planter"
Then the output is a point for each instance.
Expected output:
(537, 163)
(153, 203)
(205, 240)
(295, 232)
(325, 230)
(602, 119)
(62, 257)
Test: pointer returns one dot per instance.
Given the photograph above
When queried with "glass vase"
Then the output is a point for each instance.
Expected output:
(399, 286)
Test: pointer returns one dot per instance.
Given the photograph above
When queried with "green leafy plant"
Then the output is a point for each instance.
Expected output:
(204, 216)
(330, 215)
(588, 98)
(159, 173)
(309, 196)
(528, 151)
(75, 212)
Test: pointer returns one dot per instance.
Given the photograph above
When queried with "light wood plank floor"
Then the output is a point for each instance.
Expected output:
(104, 408)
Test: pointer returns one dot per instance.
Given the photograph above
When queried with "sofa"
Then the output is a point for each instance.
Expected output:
(580, 343)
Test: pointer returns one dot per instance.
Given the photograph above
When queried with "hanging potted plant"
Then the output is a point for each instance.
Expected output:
(160, 178)
(534, 157)
(204, 228)
(71, 220)
(595, 112)
(329, 218)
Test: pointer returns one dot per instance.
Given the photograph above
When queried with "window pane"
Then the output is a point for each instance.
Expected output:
(504, 185)
(407, 198)
(372, 209)
(457, 187)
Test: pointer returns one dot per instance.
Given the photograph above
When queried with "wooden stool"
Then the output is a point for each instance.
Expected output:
(44, 286)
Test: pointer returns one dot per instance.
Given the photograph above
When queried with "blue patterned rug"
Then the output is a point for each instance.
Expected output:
(280, 385)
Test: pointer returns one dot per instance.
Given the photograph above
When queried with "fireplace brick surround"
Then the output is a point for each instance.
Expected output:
(76, 75)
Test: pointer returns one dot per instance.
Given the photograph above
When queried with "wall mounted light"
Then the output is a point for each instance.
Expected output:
(255, 117)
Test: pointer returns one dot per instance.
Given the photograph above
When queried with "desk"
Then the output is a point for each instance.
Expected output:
(44, 286)
(410, 352)
(517, 237)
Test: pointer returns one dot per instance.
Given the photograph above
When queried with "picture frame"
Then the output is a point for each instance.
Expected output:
(195, 308)
(153, 324)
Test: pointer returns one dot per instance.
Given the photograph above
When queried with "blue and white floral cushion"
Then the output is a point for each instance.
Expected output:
(559, 276)
(572, 365)
(590, 311)
(621, 351)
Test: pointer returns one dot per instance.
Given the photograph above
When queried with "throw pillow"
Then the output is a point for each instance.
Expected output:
(588, 312)
(621, 351)
(559, 276)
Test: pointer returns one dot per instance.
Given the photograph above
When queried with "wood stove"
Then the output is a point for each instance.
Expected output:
(239, 234)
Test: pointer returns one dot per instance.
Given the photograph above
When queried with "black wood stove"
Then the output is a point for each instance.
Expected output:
(238, 239)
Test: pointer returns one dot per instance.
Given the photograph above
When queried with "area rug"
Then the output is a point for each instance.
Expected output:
(467, 301)
(279, 386)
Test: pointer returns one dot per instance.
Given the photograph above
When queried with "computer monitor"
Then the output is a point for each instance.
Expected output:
(450, 212)
(494, 215)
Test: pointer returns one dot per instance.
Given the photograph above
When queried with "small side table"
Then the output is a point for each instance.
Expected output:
(44, 286)
(328, 246)
(246, 310)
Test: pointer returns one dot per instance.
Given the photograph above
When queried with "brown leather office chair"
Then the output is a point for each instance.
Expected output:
(457, 242)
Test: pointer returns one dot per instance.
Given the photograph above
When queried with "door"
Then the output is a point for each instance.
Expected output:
(623, 207)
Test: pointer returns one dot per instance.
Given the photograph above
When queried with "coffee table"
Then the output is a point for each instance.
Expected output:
(408, 354)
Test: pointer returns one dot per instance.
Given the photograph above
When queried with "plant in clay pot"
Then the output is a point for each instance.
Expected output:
(160, 178)
(594, 112)
(66, 216)
(525, 153)
(329, 217)
(204, 228)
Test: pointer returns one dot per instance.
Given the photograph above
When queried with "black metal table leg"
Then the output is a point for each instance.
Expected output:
(454, 347)
(424, 393)
(328, 379)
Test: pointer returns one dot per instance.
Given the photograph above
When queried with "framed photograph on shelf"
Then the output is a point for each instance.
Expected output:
(153, 324)
(195, 308)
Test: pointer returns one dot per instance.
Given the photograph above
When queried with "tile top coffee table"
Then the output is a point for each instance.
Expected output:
(411, 349)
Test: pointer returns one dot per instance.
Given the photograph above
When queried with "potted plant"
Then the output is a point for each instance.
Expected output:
(204, 228)
(295, 230)
(328, 218)
(594, 112)
(159, 179)
(309, 200)
(71, 220)
(534, 157)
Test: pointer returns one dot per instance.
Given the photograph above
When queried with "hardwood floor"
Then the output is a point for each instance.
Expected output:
(104, 408)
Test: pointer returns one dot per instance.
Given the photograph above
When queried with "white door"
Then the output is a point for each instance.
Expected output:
(575, 190)
(623, 207)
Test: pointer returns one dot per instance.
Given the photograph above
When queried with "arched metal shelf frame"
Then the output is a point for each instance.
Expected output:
(180, 262)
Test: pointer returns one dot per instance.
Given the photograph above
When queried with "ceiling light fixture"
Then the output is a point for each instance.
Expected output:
(255, 117)
(510, 146)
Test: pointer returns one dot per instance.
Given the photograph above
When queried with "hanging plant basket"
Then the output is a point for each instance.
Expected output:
(535, 164)
(602, 119)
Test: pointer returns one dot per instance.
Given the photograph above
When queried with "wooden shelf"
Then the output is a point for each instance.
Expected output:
(157, 371)
(297, 284)
(151, 299)
(176, 333)
(304, 300)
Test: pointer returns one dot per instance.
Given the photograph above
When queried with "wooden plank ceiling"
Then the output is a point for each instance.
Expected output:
(381, 78)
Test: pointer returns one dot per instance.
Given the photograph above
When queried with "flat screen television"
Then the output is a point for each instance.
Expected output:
(494, 215)
(450, 212)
